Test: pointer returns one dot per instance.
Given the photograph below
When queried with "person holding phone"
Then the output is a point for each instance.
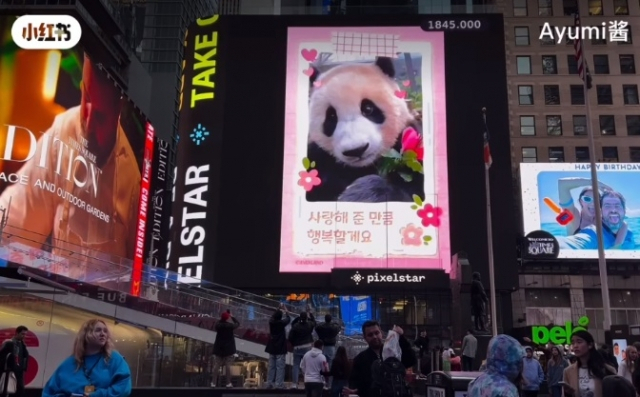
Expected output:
(94, 369)
(224, 347)
(584, 377)
(555, 370)
(277, 348)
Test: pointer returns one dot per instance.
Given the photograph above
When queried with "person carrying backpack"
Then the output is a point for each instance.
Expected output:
(362, 370)
(389, 374)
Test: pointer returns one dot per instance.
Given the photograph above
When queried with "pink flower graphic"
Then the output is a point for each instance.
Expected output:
(412, 141)
(430, 215)
(411, 235)
(309, 179)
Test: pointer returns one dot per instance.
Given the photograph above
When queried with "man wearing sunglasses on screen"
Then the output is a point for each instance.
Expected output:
(616, 233)
(582, 209)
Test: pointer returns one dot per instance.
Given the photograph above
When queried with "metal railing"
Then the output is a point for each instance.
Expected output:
(67, 264)
(78, 263)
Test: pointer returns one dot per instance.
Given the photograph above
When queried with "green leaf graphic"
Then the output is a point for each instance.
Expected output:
(313, 164)
(410, 155)
(417, 200)
(414, 165)
(406, 177)
(306, 163)
(414, 207)
(392, 154)
(427, 238)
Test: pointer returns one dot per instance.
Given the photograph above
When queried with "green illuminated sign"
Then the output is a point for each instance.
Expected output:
(558, 335)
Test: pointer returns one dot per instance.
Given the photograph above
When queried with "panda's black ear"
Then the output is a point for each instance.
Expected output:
(314, 75)
(386, 65)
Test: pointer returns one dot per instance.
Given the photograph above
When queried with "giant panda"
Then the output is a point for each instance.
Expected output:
(354, 118)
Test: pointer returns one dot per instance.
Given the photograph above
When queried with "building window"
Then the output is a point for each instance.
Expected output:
(593, 298)
(523, 64)
(605, 97)
(529, 155)
(569, 7)
(577, 94)
(633, 125)
(620, 7)
(598, 40)
(520, 8)
(629, 37)
(607, 125)
(527, 125)
(556, 154)
(568, 41)
(627, 64)
(595, 7)
(552, 95)
(572, 64)
(525, 94)
(545, 8)
(610, 154)
(582, 154)
(579, 125)
(601, 64)
(547, 297)
(634, 154)
(546, 40)
(554, 125)
(549, 64)
(630, 93)
(522, 35)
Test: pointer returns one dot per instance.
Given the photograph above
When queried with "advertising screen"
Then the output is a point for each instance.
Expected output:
(354, 311)
(71, 151)
(332, 144)
(159, 205)
(558, 199)
(620, 350)
(365, 160)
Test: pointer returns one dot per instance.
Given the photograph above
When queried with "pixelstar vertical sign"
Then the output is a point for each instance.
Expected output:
(197, 171)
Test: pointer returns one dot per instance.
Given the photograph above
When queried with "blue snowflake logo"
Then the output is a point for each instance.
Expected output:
(199, 134)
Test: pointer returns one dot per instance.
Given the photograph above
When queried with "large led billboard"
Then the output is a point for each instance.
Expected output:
(309, 145)
(558, 198)
(365, 161)
(72, 149)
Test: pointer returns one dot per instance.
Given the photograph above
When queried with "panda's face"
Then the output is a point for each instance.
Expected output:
(355, 114)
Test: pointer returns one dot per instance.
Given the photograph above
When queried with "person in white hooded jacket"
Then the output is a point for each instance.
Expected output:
(313, 365)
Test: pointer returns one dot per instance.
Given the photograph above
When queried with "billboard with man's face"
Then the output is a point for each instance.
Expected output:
(71, 154)
(558, 198)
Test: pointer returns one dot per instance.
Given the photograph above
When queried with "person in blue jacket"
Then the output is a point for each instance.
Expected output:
(503, 369)
(532, 374)
(94, 369)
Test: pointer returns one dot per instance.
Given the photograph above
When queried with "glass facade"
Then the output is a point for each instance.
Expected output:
(156, 358)
(412, 312)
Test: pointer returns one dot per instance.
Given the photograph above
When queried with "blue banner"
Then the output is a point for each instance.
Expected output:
(354, 310)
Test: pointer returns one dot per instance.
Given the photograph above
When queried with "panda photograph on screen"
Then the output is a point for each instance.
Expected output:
(365, 133)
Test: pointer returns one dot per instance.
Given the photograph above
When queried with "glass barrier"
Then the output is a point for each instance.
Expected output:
(92, 273)
(155, 358)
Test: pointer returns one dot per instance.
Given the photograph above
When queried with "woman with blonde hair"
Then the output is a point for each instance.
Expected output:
(94, 369)
(628, 364)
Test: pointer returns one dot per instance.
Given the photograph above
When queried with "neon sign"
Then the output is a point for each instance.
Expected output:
(558, 335)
